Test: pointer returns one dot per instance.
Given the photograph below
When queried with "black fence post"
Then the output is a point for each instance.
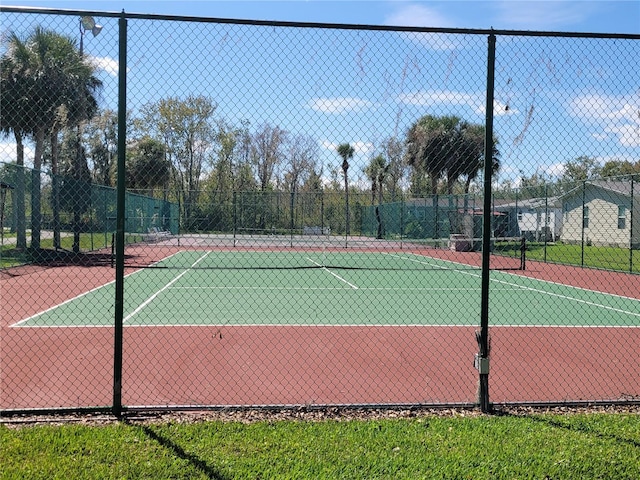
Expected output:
(482, 358)
(120, 216)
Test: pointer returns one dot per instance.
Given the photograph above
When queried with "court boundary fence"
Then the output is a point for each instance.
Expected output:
(481, 362)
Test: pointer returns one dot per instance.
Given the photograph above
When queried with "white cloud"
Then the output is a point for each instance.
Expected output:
(339, 104)
(628, 134)
(556, 170)
(107, 64)
(541, 15)
(414, 15)
(605, 107)
(449, 97)
(614, 115)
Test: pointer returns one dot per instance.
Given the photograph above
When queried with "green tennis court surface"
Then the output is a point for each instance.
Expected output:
(320, 288)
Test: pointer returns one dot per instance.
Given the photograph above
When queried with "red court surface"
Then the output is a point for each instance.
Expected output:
(178, 366)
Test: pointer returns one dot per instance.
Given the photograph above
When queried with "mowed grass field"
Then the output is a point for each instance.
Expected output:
(456, 445)
(607, 258)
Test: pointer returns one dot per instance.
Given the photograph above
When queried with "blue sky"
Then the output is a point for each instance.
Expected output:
(607, 16)
(555, 100)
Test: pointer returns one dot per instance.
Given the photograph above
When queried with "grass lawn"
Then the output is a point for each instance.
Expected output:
(608, 258)
(531, 446)
(10, 256)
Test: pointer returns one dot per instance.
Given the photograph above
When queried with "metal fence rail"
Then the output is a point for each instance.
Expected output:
(202, 213)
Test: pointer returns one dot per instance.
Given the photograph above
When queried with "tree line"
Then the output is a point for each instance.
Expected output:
(181, 147)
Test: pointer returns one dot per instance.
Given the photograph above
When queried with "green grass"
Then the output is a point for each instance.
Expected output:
(10, 256)
(609, 258)
(536, 446)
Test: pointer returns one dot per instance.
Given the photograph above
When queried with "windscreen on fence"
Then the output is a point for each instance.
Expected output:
(287, 230)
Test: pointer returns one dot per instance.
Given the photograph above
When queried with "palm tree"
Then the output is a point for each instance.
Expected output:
(346, 151)
(473, 152)
(15, 118)
(429, 146)
(376, 171)
(47, 73)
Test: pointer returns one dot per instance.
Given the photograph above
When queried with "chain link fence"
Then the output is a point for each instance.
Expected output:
(204, 213)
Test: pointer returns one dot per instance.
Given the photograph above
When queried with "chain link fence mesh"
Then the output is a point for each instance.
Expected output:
(304, 211)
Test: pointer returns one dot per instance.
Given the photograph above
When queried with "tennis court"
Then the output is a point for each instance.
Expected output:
(209, 287)
(211, 321)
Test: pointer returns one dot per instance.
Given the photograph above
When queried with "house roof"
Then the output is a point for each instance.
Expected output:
(533, 203)
(620, 187)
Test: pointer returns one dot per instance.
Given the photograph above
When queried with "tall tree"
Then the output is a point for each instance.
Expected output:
(582, 168)
(51, 73)
(229, 157)
(313, 182)
(470, 153)
(187, 129)
(429, 145)
(147, 167)
(301, 159)
(393, 152)
(346, 151)
(267, 145)
(15, 118)
(533, 186)
(616, 168)
(376, 172)
(75, 184)
(448, 147)
(102, 136)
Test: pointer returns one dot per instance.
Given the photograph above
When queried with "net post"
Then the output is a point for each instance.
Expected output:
(292, 220)
(584, 211)
(113, 249)
(631, 220)
(234, 199)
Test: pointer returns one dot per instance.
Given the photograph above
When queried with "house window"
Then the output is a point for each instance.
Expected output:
(622, 216)
(585, 217)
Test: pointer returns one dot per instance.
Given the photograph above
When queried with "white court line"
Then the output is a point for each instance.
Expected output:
(533, 279)
(382, 289)
(334, 274)
(544, 292)
(153, 297)
(61, 304)
(566, 297)
(360, 325)
(19, 324)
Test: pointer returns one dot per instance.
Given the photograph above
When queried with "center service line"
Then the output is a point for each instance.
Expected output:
(334, 274)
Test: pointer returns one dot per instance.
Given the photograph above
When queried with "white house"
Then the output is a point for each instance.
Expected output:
(537, 219)
(602, 213)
